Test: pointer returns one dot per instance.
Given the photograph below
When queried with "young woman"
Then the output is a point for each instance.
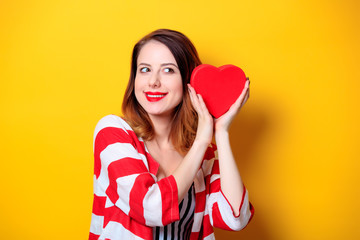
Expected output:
(157, 173)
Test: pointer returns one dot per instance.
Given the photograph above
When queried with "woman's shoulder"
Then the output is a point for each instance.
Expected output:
(112, 122)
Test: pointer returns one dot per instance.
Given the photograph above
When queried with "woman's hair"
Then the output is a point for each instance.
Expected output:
(185, 119)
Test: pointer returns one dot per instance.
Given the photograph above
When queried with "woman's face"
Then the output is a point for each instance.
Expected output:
(158, 83)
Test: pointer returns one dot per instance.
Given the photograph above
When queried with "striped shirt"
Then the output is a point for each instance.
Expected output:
(180, 229)
(129, 200)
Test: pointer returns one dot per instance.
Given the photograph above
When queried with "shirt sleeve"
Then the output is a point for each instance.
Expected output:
(122, 175)
(220, 211)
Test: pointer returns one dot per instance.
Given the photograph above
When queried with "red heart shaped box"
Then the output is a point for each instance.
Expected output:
(219, 87)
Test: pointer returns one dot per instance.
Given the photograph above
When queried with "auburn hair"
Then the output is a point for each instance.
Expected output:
(185, 119)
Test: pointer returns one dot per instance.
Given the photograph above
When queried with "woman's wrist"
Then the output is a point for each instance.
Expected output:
(221, 134)
(200, 143)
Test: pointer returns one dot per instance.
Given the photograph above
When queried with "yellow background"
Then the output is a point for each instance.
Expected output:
(65, 64)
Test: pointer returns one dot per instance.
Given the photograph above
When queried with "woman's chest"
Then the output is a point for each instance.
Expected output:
(168, 162)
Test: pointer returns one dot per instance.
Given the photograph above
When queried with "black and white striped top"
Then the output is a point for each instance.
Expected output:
(180, 229)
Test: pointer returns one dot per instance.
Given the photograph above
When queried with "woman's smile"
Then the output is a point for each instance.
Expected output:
(155, 96)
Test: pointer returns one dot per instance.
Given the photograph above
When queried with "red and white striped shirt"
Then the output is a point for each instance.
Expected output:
(129, 200)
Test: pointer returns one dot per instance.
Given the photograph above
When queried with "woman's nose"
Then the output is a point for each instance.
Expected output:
(154, 80)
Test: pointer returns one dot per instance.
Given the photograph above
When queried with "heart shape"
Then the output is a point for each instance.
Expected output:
(219, 87)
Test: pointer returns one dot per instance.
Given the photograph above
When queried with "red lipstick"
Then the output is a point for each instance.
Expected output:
(155, 96)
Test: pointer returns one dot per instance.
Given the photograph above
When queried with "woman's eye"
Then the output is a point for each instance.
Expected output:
(168, 70)
(144, 69)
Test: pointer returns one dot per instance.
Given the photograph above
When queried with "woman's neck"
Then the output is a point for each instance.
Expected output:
(162, 128)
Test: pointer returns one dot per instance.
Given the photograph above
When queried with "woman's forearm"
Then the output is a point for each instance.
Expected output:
(185, 173)
(231, 183)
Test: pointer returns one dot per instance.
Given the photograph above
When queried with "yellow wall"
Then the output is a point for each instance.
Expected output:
(65, 64)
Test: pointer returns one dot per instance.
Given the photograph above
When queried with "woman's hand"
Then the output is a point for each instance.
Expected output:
(223, 123)
(205, 120)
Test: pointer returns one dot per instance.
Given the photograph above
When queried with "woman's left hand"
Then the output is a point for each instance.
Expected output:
(223, 123)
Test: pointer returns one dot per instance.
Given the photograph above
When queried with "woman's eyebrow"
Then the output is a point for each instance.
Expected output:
(163, 64)
(146, 64)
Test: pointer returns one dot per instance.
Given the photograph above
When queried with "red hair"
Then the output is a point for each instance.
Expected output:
(185, 119)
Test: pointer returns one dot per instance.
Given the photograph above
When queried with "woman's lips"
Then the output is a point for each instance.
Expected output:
(154, 96)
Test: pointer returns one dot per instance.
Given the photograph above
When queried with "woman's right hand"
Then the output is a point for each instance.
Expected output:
(205, 127)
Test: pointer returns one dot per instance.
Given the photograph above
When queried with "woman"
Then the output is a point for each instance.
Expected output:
(157, 174)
